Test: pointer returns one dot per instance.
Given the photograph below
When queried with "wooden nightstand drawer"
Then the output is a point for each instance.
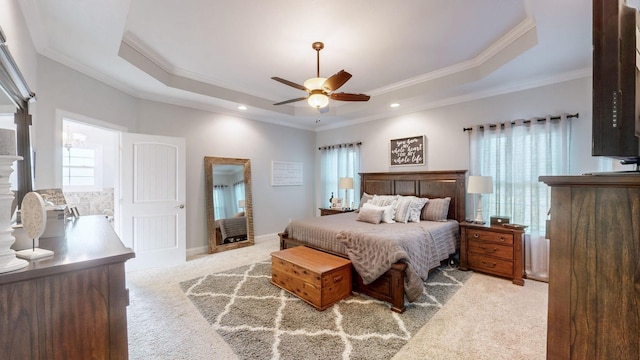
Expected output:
(491, 249)
(484, 235)
(491, 265)
(329, 211)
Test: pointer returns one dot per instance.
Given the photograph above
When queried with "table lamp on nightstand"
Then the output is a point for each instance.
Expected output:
(346, 183)
(480, 185)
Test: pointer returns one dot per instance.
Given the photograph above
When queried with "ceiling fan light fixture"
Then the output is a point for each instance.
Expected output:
(318, 99)
(314, 83)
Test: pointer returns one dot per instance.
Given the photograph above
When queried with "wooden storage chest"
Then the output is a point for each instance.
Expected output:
(316, 277)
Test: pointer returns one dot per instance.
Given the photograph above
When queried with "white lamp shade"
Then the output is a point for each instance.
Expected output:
(480, 185)
(345, 183)
(241, 204)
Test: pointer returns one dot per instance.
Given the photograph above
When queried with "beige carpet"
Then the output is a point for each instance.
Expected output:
(489, 318)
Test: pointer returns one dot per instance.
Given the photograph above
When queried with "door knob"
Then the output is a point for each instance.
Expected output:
(181, 206)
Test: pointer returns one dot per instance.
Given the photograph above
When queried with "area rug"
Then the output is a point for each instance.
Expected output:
(261, 321)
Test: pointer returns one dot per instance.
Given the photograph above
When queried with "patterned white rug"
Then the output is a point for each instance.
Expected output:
(261, 321)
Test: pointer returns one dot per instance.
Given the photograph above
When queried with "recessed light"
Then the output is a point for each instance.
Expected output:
(394, 105)
(242, 107)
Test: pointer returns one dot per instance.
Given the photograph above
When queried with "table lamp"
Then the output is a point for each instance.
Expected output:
(346, 183)
(480, 185)
(241, 204)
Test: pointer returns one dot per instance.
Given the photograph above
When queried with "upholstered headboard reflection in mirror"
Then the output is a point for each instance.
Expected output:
(229, 203)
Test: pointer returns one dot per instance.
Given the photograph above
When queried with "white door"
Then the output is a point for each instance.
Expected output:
(152, 191)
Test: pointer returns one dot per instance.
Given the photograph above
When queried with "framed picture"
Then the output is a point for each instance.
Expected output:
(336, 203)
(407, 151)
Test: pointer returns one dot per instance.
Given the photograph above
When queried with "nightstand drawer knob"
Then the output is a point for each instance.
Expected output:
(502, 239)
(476, 235)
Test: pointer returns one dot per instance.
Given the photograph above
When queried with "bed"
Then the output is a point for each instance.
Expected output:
(231, 230)
(390, 286)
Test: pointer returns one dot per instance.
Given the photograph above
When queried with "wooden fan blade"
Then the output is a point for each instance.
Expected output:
(290, 83)
(336, 80)
(290, 101)
(349, 97)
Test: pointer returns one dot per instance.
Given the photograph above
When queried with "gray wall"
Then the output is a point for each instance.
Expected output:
(447, 144)
(210, 134)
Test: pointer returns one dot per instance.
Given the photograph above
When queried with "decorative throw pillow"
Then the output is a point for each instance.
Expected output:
(402, 209)
(415, 208)
(384, 200)
(365, 199)
(436, 209)
(387, 216)
(370, 215)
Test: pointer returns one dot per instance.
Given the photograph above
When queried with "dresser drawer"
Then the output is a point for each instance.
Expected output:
(492, 249)
(484, 235)
(491, 265)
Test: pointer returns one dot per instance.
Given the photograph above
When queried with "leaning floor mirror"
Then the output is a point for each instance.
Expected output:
(229, 205)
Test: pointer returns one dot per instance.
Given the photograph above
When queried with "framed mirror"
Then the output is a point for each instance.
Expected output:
(229, 204)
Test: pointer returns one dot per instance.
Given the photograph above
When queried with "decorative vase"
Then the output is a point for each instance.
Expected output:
(8, 259)
(331, 200)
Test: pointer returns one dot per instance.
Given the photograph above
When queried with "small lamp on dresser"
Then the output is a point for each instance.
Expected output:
(480, 185)
(346, 183)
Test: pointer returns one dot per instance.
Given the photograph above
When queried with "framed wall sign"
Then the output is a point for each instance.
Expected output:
(407, 151)
(286, 173)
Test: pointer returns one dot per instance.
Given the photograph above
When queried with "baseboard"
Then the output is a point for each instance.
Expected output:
(199, 250)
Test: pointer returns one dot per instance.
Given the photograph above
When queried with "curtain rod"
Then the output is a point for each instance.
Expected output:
(576, 115)
(327, 147)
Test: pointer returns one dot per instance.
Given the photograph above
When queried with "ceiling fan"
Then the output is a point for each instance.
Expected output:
(320, 90)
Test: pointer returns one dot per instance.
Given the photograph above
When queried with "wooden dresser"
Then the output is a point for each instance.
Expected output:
(72, 305)
(594, 270)
(492, 249)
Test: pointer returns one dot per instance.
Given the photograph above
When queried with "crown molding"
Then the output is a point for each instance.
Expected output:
(518, 32)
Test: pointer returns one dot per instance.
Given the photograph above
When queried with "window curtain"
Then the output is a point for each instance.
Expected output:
(340, 161)
(219, 201)
(238, 191)
(515, 154)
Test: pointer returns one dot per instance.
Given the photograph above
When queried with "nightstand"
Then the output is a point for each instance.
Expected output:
(493, 250)
(329, 211)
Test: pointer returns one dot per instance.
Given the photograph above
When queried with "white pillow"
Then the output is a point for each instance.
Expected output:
(415, 208)
(365, 199)
(389, 211)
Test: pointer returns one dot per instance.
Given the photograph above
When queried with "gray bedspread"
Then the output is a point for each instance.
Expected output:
(374, 248)
(232, 227)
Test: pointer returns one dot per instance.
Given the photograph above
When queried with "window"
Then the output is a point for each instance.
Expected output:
(340, 161)
(516, 155)
(82, 168)
(238, 190)
(219, 201)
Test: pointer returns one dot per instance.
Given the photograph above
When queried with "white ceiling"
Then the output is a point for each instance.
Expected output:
(216, 55)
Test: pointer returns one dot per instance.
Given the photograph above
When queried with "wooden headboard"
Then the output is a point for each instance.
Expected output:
(429, 184)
